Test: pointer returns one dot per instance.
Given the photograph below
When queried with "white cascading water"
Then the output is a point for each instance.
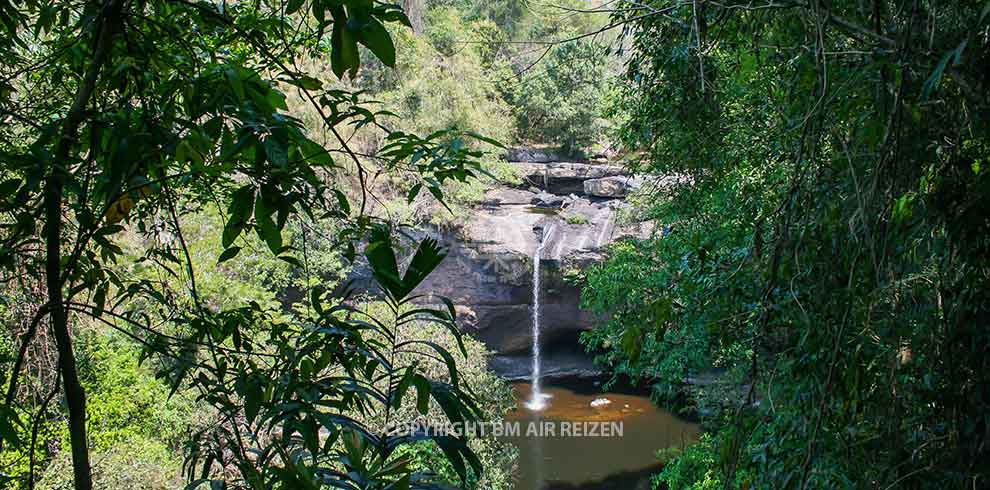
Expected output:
(537, 400)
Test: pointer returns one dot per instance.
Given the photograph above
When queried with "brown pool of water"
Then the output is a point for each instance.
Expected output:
(620, 455)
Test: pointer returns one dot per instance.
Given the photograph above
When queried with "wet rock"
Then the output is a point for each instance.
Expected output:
(489, 268)
(519, 367)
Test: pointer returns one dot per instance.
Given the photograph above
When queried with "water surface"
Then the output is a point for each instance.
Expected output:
(593, 463)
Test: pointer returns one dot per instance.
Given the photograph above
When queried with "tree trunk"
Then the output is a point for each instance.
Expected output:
(75, 395)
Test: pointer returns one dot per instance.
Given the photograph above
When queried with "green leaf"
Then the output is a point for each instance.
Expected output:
(231, 231)
(355, 447)
(292, 260)
(305, 82)
(8, 426)
(632, 344)
(319, 13)
(485, 139)
(376, 38)
(423, 391)
(242, 201)
(293, 6)
(411, 196)
(344, 51)
(252, 398)
(444, 354)
(349, 252)
(345, 206)
(384, 267)
(428, 256)
(100, 298)
(400, 389)
(662, 312)
(438, 194)
(933, 81)
(234, 78)
(316, 298)
(229, 254)
(395, 15)
(457, 454)
(8, 187)
(276, 151)
(400, 484)
(264, 209)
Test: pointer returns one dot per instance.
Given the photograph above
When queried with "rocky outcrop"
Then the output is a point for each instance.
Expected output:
(570, 364)
(489, 266)
(533, 155)
(610, 186)
(565, 177)
(548, 200)
(488, 270)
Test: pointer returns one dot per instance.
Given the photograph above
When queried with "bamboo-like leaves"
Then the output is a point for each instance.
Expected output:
(381, 258)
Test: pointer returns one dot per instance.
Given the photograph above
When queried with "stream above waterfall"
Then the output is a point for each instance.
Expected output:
(616, 462)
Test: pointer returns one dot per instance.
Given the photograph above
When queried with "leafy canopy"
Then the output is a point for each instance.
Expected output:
(136, 115)
(829, 253)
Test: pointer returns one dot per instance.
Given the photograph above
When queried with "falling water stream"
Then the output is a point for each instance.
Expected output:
(619, 462)
(538, 399)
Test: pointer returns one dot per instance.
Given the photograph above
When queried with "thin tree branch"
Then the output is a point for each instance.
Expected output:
(26, 339)
(35, 426)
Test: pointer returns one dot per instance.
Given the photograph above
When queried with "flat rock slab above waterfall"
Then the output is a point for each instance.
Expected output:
(611, 186)
(565, 177)
(509, 222)
(489, 271)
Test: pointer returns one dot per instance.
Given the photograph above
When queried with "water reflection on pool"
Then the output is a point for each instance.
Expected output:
(601, 462)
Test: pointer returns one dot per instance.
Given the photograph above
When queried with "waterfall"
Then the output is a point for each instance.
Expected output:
(605, 225)
(537, 400)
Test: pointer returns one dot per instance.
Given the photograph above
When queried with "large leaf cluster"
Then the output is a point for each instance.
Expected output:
(828, 254)
(133, 115)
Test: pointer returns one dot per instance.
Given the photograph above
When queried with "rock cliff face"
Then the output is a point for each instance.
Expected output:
(488, 270)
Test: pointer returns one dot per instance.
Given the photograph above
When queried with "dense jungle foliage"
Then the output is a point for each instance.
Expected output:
(820, 287)
(185, 186)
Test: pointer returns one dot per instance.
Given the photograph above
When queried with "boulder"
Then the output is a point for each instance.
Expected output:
(600, 402)
(547, 200)
(610, 186)
(565, 177)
